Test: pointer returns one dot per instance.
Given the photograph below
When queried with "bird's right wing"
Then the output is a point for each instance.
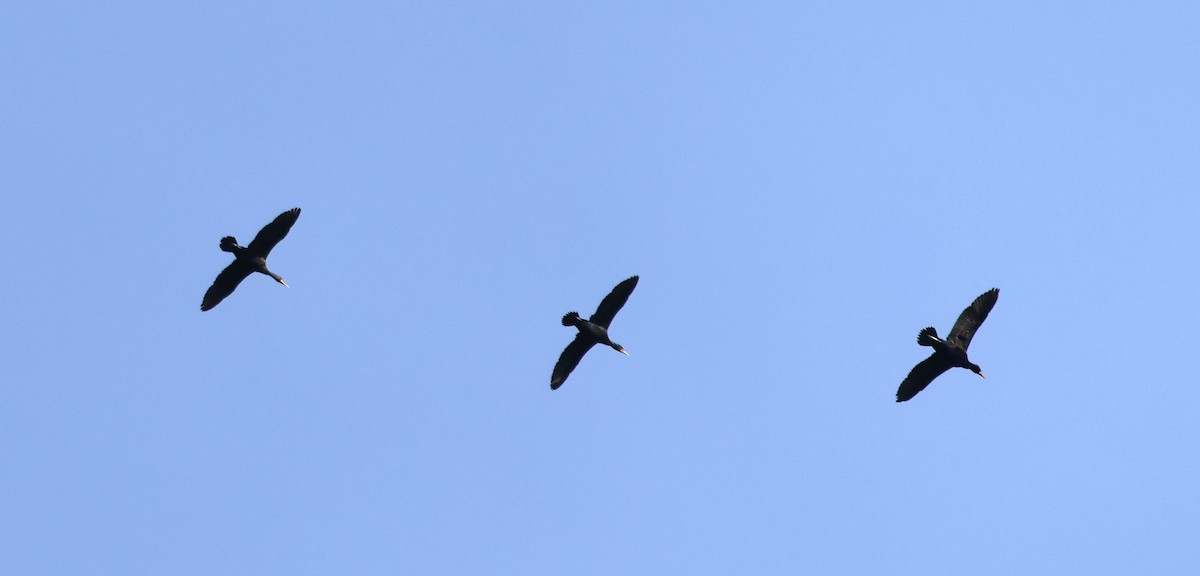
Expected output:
(272, 233)
(571, 355)
(970, 319)
(227, 281)
(920, 377)
(613, 302)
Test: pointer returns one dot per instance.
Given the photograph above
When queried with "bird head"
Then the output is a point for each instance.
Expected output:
(976, 369)
(619, 348)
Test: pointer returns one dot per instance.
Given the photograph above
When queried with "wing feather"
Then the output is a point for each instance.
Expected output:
(613, 302)
(970, 319)
(272, 233)
(571, 355)
(921, 375)
(227, 281)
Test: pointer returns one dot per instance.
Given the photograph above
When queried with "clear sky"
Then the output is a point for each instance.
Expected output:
(800, 188)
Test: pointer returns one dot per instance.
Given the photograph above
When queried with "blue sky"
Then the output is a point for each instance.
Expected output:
(800, 188)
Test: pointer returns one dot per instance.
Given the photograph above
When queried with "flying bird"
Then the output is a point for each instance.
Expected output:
(592, 331)
(247, 259)
(950, 352)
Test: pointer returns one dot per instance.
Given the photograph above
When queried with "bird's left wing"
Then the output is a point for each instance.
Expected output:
(920, 376)
(571, 355)
(970, 319)
(613, 302)
(227, 281)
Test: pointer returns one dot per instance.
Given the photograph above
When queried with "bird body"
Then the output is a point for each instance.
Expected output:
(249, 259)
(954, 355)
(951, 352)
(592, 331)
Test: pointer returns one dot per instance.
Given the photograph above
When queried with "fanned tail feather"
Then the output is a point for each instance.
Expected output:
(569, 318)
(229, 244)
(927, 336)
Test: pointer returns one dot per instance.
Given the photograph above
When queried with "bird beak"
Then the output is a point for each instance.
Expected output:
(284, 283)
(981, 375)
(624, 352)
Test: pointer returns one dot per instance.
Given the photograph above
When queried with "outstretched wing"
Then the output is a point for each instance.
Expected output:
(921, 375)
(970, 319)
(227, 281)
(613, 302)
(569, 359)
(272, 233)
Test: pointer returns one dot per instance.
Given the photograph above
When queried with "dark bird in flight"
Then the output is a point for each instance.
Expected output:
(950, 352)
(247, 259)
(592, 331)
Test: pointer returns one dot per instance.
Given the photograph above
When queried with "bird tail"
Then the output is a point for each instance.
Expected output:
(569, 318)
(927, 336)
(229, 244)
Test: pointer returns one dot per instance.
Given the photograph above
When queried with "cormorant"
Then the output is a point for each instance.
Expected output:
(950, 352)
(591, 331)
(247, 259)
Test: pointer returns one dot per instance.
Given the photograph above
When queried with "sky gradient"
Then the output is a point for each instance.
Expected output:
(800, 188)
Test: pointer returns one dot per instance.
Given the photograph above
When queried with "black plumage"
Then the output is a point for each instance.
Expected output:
(248, 259)
(950, 352)
(592, 331)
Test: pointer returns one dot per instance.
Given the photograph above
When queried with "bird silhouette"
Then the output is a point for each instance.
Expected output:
(950, 352)
(248, 259)
(592, 331)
